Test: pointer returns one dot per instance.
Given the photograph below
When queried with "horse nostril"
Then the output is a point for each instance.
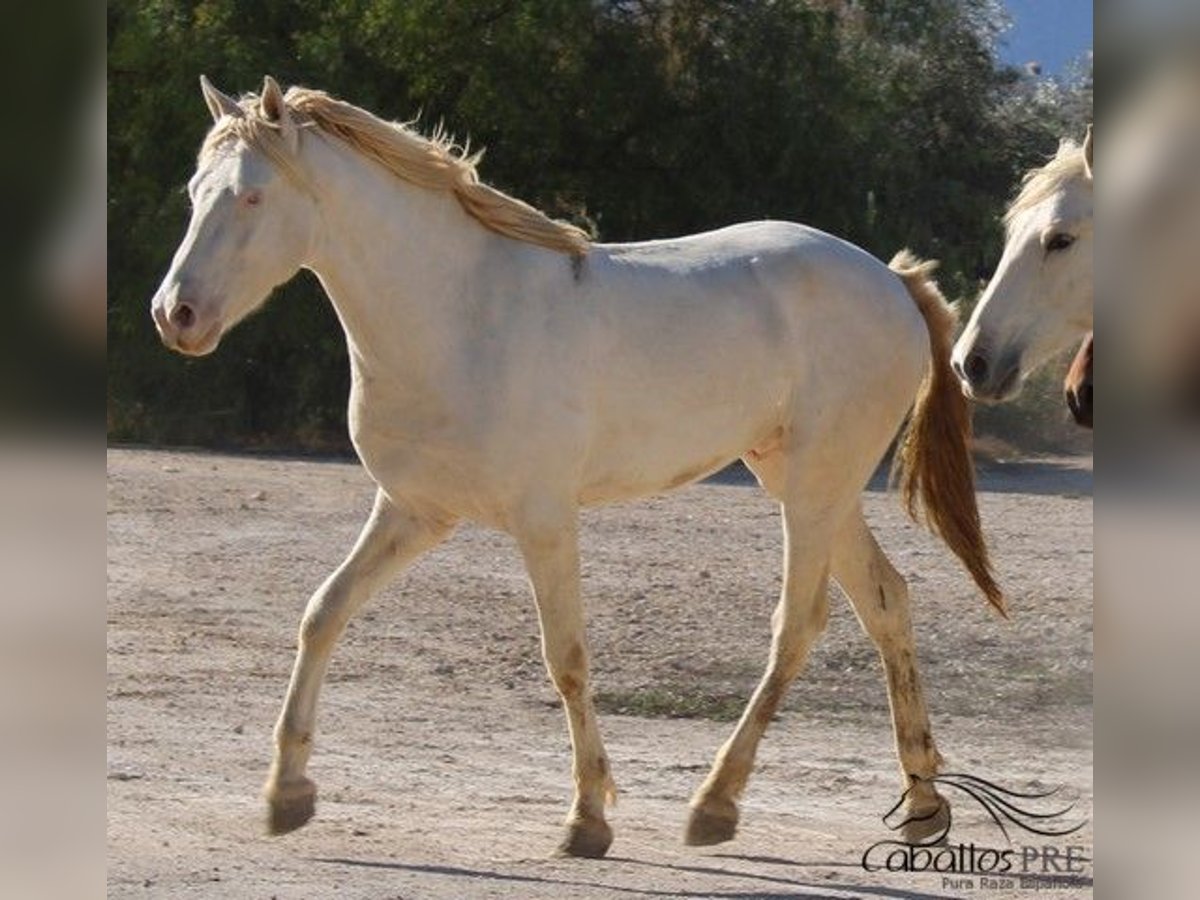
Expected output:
(976, 368)
(183, 316)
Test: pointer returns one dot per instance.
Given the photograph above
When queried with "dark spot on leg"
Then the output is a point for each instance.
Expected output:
(568, 686)
(882, 598)
(570, 675)
(602, 766)
(575, 657)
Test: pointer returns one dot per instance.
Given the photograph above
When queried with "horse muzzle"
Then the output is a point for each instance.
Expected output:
(985, 381)
(184, 327)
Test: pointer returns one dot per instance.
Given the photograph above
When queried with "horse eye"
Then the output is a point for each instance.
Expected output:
(253, 198)
(1059, 242)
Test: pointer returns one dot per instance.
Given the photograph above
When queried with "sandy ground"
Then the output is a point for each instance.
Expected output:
(442, 759)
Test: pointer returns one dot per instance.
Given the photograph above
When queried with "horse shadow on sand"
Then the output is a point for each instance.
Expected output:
(1044, 477)
(761, 885)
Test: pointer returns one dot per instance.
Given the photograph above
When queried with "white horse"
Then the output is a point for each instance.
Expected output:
(1039, 300)
(507, 371)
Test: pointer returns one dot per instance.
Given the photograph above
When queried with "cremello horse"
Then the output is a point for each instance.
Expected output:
(1039, 301)
(508, 371)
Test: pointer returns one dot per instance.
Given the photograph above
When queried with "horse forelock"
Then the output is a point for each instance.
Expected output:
(434, 162)
(255, 131)
(1040, 184)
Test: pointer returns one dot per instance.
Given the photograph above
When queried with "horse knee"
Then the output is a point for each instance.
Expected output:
(568, 685)
(568, 671)
(322, 621)
(797, 622)
(795, 630)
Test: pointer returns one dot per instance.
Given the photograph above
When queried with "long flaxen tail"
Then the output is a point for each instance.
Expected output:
(933, 457)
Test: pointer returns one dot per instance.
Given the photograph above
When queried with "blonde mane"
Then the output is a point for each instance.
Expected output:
(435, 162)
(1038, 185)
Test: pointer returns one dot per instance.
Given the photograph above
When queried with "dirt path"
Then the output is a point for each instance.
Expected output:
(442, 758)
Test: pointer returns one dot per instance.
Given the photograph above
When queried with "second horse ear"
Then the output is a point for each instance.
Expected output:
(1087, 151)
(275, 110)
(219, 104)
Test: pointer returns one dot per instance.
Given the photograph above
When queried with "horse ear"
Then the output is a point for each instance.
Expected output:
(275, 110)
(1087, 151)
(219, 104)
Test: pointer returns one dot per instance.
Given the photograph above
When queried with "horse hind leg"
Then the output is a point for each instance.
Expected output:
(799, 618)
(880, 599)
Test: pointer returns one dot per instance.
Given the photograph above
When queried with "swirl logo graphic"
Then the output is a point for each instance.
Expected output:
(1006, 808)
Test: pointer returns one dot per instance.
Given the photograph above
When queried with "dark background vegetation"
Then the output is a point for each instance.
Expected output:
(888, 122)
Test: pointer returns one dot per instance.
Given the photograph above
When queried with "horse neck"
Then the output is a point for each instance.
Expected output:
(390, 256)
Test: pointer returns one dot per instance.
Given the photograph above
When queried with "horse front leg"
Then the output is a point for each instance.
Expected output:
(392, 538)
(550, 546)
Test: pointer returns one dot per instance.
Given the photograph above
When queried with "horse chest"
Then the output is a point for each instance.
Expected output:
(416, 444)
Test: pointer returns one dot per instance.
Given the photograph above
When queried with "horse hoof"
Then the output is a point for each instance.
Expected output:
(290, 806)
(928, 823)
(707, 826)
(588, 838)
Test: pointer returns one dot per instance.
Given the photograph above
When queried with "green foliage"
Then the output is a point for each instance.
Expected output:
(888, 123)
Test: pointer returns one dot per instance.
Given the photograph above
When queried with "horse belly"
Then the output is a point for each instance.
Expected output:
(686, 378)
(670, 439)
